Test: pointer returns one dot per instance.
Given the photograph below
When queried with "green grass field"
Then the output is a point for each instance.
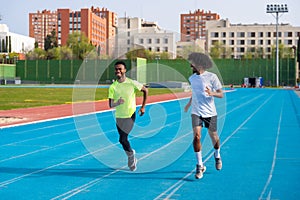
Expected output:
(13, 98)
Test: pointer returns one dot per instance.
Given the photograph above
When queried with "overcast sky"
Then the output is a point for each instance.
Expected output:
(166, 13)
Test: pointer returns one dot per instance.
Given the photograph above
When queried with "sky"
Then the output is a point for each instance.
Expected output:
(15, 13)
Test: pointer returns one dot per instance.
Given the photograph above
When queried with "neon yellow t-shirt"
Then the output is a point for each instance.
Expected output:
(126, 90)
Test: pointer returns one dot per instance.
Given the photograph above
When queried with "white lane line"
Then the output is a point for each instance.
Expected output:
(88, 185)
(7, 182)
(274, 157)
(167, 193)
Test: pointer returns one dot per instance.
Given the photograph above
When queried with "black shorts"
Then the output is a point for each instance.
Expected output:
(125, 125)
(209, 122)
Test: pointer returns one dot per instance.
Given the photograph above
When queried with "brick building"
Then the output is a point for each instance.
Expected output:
(41, 24)
(97, 24)
(192, 25)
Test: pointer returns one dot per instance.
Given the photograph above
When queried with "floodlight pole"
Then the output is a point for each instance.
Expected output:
(277, 52)
(276, 8)
(157, 57)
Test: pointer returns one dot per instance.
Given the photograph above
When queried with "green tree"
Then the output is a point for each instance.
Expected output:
(50, 41)
(36, 45)
(284, 52)
(36, 54)
(79, 45)
(186, 50)
(217, 50)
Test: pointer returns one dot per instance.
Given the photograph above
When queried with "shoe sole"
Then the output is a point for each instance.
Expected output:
(218, 167)
(199, 177)
(133, 168)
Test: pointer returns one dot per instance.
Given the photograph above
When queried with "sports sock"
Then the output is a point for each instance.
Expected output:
(199, 158)
(217, 153)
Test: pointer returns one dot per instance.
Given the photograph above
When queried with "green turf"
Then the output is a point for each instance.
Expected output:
(13, 98)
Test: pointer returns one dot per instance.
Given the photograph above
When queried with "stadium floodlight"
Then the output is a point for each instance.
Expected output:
(276, 8)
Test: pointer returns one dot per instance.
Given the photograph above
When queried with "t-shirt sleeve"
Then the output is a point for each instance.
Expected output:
(111, 92)
(138, 86)
(216, 83)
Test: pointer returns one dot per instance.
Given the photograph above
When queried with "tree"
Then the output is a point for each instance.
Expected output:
(284, 52)
(36, 45)
(217, 50)
(79, 45)
(186, 50)
(50, 41)
(36, 54)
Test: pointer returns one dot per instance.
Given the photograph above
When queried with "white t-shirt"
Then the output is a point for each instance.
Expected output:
(203, 104)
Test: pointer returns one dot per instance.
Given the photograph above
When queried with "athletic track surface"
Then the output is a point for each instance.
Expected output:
(26, 115)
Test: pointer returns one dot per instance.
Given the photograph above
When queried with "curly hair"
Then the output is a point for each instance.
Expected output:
(200, 60)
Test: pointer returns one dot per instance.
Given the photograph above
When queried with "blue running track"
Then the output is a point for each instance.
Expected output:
(79, 157)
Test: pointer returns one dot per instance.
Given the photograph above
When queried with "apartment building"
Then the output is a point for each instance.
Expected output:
(41, 24)
(85, 21)
(239, 39)
(111, 26)
(136, 33)
(193, 24)
(97, 24)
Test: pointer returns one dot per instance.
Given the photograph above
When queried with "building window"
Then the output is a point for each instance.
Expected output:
(128, 41)
(157, 49)
(251, 42)
(128, 23)
(149, 41)
(288, 42)
(141, 41)
(166, 41)
(261, 42)
(268, 34)
(231, 42)
(261, 34)
(223, 34)
(215, 34)
(231, 34)
(279, 34)
(251, 34)
(288, 34)
(241, 42)
(214, 42)
(240, 34)
(157, 41)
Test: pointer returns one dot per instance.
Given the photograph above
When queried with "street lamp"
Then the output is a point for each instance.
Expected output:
(157, 57)
(276, 8)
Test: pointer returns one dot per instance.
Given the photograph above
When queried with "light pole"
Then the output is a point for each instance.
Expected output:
(276, 8)
(157, 57)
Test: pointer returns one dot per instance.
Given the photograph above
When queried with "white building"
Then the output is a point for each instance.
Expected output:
(135, 33)
(239, 39)
(12, 42)
(185, 48)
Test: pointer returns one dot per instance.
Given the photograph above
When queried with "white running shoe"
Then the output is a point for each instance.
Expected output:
(218, 163)
(199, 171)
(132, 161)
